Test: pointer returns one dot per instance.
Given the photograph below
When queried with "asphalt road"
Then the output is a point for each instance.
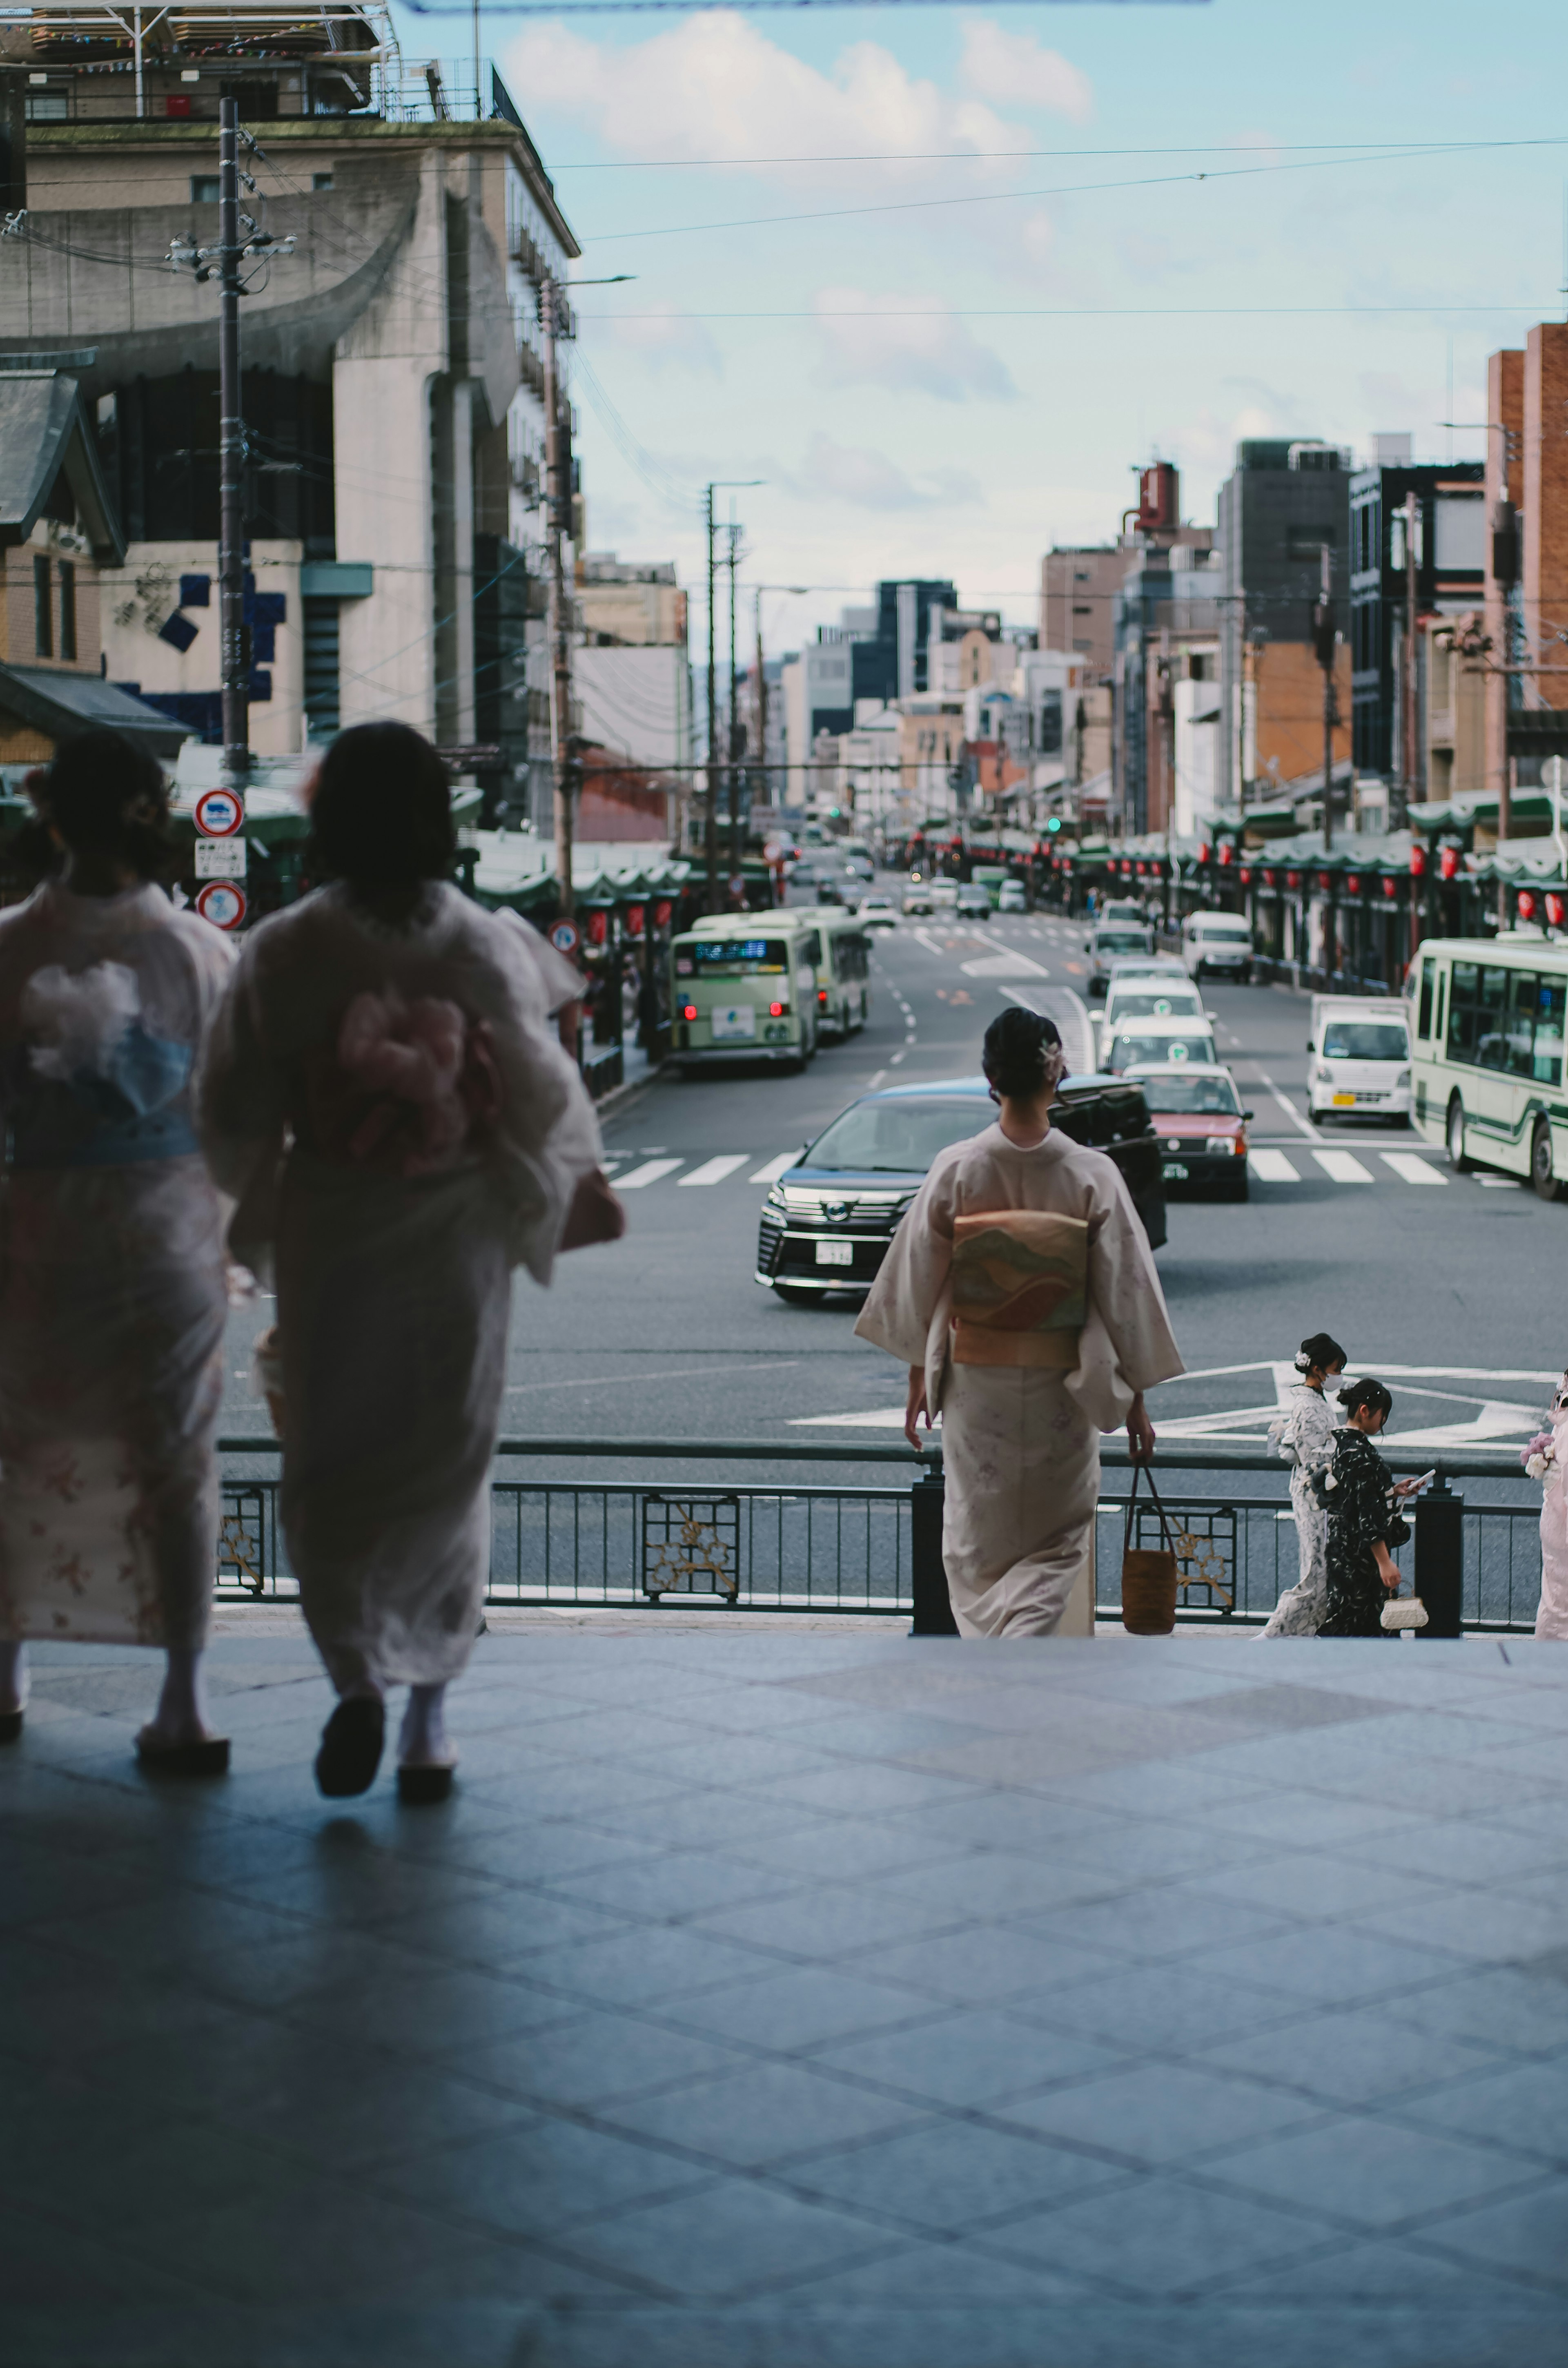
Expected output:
(1450, 1288)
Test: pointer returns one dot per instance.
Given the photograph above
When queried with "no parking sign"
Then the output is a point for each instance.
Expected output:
(565, 937)
(223, 904)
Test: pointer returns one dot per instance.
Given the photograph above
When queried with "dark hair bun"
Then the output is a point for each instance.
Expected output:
(381, 813)
(1322, 1351)
(1013, 1055)
(105, 795)
(1367, 1392)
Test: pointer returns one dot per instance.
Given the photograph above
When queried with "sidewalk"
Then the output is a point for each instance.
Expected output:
(793, 2000)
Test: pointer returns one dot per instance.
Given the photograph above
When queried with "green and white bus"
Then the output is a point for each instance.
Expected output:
(844, 968)
(743, 986)
(1486, 1027)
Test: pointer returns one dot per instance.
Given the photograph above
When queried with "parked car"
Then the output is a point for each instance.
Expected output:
(1106, 943)
(972, 903)
(917, 897)
(1358, 1059)
(877, 912)
(1217, 942)
(1010, 897)
(1201, 1126)
(828, 1221)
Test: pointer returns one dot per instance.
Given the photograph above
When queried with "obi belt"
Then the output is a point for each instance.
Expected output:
(1019, 1288)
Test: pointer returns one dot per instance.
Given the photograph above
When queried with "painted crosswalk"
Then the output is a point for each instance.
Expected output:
(1267, 1162)
(651, 1171)
(713, 1171)
(1271, 1167)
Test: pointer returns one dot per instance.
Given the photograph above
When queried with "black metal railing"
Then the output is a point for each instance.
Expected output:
(773, 1543)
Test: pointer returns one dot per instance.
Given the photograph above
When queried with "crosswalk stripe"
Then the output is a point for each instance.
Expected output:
(775, 1168)
(1272, 1167)
(649, 1173)
(1343, 1167)
(713, 1171)
(1415, 1170)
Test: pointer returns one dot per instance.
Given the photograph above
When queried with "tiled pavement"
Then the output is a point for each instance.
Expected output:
(774, 1999)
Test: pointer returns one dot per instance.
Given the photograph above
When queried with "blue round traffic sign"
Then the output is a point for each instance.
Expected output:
(219, 813)
(221, 902)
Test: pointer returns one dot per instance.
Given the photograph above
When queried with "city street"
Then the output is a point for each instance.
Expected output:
(1442, 1283)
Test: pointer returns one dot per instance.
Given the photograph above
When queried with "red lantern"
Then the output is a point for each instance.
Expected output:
(634, 920)
(1228, 852)
(1204, 852)
(1292, 880)
(1448, 862)
(662, 915)
(1271, 880)
(598, 927)
(1390, 885)
(1325, 882)
(1556, 907)
(1527, 904)
(1353, 883)
(1418, 861)
(1247, 875)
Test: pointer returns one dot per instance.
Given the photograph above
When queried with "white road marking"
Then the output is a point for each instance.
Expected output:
(1010, 965)
(774, 1167)
(895, 1060)
(1412, 1166)
(713, 1171)
(1291, 1112)
(1500, 1183)
(872, 1081)
(649, 1173)
(1343, 1167)
(1272, 1167)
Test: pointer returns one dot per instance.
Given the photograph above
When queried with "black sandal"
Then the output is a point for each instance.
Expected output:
(208, 1758)
(351, 1747)
(420, 1787)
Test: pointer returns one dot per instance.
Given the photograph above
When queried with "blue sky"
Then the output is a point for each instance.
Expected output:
(907, 414)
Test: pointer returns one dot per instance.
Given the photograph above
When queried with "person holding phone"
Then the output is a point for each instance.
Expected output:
(1363, 1501)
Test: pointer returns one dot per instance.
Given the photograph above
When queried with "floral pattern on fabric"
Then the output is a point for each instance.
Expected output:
(1362, 1512)
(1551, 1617)
(1304, 1435)
(1021, 1285)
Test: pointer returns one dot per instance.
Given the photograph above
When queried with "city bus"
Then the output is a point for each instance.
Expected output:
(1486, 1025)
(743, 986)
(844, 969)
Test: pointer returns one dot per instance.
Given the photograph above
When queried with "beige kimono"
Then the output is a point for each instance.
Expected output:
(1024, 1283)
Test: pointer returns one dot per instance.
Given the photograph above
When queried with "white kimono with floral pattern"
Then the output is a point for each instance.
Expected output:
(1304, 1435)
(1552, 1618)
(1021, 1445)
(393, 1289)
(112, 1273)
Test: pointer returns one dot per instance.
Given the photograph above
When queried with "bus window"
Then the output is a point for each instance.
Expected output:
(1461, 1012)
(1437, 1012)
(1523, 990)
(1548, 1057)
(1424, 1019)
(1492, 1017)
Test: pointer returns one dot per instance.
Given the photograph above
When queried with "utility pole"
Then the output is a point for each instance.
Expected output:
(1324, 642)
(1411, 642)
(711, 820)
(737, 732)
(231, 458)
(555, 323)
(760, 773)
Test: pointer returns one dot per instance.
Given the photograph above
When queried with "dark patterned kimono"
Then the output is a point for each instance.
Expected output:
(1362, 1509)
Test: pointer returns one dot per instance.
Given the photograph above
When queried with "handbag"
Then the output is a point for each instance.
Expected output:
(1148, 1575)
(1404, 1611)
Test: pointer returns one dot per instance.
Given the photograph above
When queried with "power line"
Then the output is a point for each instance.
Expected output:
(1082, 312)
(1350, 148)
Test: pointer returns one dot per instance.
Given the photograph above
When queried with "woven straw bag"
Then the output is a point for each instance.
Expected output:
(1404, 1611)
(1149, 1576)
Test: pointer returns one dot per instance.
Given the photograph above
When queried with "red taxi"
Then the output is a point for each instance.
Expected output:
(1199, 1125)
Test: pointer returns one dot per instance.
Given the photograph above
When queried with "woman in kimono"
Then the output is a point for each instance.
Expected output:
(1363, 1499)
(386, 1098)
(1547, 1460)
(1304, 1435)
(1021, 1293)
(112, 1273)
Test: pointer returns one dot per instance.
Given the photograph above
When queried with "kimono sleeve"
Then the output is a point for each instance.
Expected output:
(909, 1302)
(548, 1138)
(1127, 1344)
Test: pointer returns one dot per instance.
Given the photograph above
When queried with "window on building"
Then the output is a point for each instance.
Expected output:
(204, 188)
(48, 107)
(43, 610)
(68, 611)
(321, 180)
(322, 668)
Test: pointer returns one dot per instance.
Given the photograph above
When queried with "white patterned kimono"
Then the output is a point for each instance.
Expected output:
(1304, 1435)
(1021, 1438)
(112, 1273)
(1551, 1617)
(394, 1282)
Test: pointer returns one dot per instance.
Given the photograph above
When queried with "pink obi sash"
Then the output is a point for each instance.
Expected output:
(1020, 1288)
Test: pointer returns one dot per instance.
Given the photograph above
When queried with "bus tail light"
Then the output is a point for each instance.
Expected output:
(821, 994)
(688, 1012)
(776, 1011)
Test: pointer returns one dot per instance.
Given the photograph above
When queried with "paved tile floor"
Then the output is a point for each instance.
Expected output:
(769, 1999)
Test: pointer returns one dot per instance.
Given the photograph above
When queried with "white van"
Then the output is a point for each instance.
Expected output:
(1359, 1058)
(1133, 996)
(1217, 942)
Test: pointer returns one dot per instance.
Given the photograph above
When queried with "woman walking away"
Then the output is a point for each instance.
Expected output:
(386, 1097)
(1304, 1435)
(112, 1274)
(1546, 1459)
(1021, 1293)
(1363, 1500)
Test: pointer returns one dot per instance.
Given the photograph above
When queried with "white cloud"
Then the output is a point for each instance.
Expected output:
(907, 343)
(869, 481)
(1014, 70)
(661, 339)
(715, 85)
